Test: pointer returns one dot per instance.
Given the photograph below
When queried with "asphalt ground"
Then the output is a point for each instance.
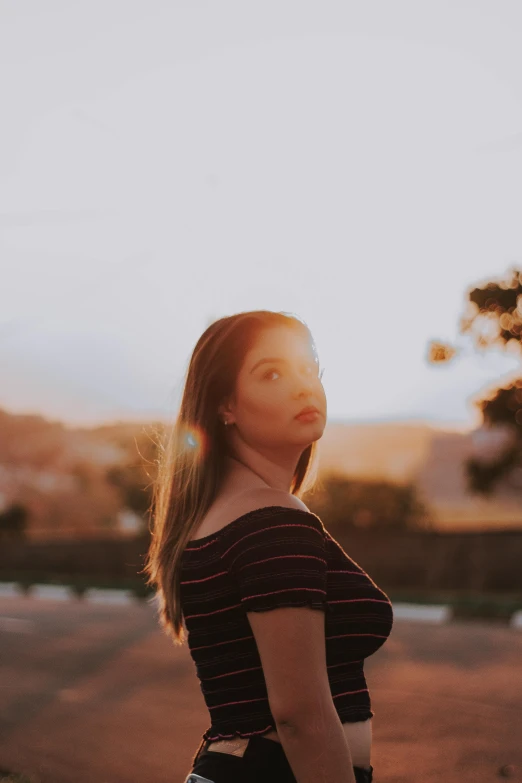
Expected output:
(98, 694)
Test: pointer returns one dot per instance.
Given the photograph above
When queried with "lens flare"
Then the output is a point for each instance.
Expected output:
(193, 440)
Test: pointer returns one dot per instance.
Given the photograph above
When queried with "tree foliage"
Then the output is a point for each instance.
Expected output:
(494, 318)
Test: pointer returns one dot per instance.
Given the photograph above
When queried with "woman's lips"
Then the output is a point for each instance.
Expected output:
(310, 416)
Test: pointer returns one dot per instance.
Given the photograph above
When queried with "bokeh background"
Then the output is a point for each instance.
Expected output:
(163, 164)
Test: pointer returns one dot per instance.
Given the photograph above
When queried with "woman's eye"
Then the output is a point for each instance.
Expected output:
(313, 367)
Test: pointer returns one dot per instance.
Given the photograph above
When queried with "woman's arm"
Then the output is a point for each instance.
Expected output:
(316, 748)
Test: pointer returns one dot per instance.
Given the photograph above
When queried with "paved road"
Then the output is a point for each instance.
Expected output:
(98, 694)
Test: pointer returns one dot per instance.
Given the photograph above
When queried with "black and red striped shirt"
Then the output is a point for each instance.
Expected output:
(271, 557)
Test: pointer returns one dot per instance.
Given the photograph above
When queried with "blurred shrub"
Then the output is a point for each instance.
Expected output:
(344, 503)
(13, 522)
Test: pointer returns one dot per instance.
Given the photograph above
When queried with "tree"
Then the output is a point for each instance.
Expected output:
(494, 317)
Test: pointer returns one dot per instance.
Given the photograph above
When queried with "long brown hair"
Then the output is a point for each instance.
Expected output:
(190, 464)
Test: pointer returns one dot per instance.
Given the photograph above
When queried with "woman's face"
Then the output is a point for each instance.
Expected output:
(279, 377)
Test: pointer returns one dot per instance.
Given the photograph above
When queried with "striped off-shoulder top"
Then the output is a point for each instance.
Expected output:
(270, 557)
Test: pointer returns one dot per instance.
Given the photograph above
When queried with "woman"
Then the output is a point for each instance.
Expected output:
(279, 618)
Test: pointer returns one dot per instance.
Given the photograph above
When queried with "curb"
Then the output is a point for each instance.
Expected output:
(93, 595)
(438, 614)
(432, 613)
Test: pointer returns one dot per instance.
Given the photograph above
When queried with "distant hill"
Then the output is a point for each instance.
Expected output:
(390, 450)
(47, 461)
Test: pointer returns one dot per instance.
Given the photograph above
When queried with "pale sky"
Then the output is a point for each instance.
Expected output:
(163, 164)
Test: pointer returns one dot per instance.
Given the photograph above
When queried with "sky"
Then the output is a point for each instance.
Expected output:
(163, 164)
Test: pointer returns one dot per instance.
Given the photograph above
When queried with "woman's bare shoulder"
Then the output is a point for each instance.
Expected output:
(230, 505)
(258, 497)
